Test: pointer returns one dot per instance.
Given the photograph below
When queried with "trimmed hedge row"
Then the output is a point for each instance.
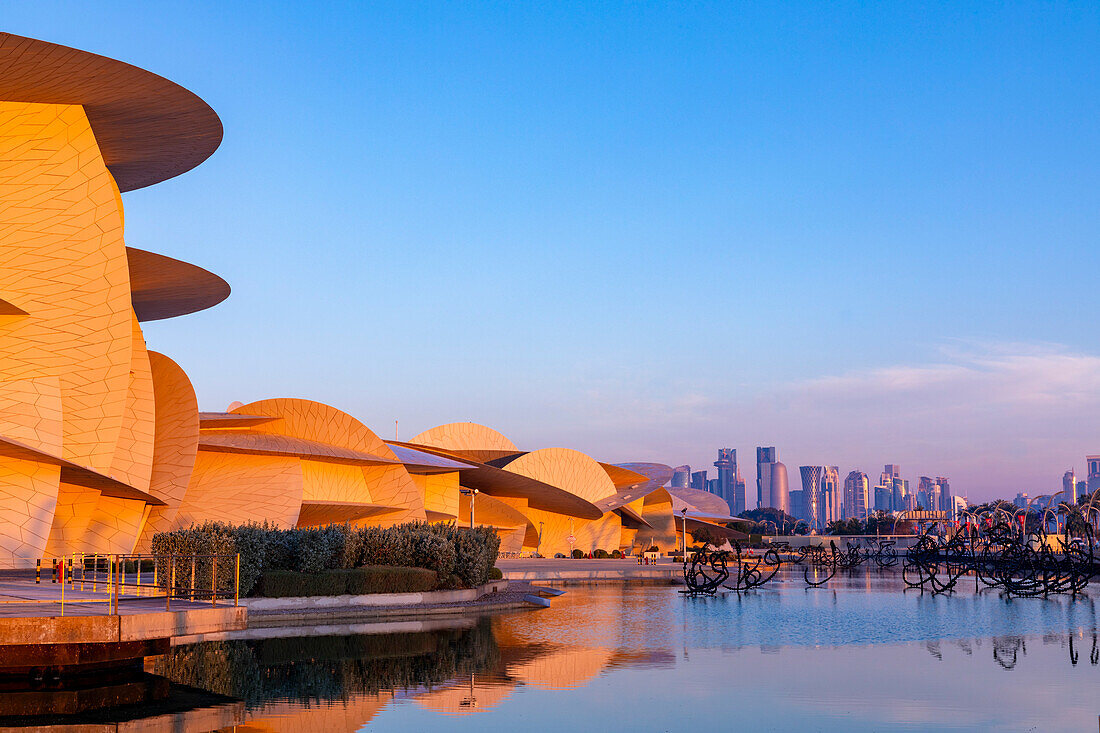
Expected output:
(353, 581)
(459, 557)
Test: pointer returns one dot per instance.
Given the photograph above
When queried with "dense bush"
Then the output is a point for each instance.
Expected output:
(617, 554)
(354, 581)
(496, 574)
(578, 554)
(287, 583)
(457, 557)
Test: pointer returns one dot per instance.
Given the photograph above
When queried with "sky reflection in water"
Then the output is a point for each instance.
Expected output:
(859, 654)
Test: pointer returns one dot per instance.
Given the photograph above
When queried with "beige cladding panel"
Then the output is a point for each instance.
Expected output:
(440, 492)
(28, 497)
(657, 510)
(30, 412)
(598, 534)
(65, 266)
(114, 526)
(235, 488)
(133, 460)
(567, 469)
(333, 482)
(175, 444)
(393, 486)
(316, 421)
(75, 506)
(465, 436)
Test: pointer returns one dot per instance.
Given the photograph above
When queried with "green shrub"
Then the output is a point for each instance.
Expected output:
(389, 579)
(578, 554)
(617, 554)
(286, 584)
(459, 557)
(496, 574)
(601, 554)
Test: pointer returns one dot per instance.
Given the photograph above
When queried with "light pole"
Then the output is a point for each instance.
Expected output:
(684, 514)
(538, 548)
(470, 493)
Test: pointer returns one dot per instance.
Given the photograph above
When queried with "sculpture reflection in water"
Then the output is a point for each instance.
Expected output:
(1003, 558)
(1008, 650)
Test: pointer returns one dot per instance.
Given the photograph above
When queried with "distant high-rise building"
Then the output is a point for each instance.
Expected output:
(699, 480)
(772, 489)
(884, 498)
(856, 499)
(731, 485)
(832, 493)
(813, 502)
(681, 477)
(1021, 500)
(712, 486)
(798, 506)
(1069, 486)
(929, 494)
(947, 501)
(900, 500)
(1092, 482)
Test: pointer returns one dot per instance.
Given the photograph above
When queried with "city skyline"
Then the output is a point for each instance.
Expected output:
(508, 179)
(933, 491)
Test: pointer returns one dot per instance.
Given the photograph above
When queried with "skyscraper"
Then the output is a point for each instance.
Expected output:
(884, 498)
(699, 480)
(1069, 486)
(681, 477)
(928, 494)
(1093, 478)
(947, 501)
(812, 504)
(899, 488)
(856, 499)
(772, 489)
(832, 493)
(730, 484)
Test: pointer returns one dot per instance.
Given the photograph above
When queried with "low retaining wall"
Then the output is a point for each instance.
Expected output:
(658, 574)
(114, 629)
(379, 600)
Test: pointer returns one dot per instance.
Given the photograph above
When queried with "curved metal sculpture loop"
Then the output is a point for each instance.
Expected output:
(882, 552)
(707, 570)
(1003, 558)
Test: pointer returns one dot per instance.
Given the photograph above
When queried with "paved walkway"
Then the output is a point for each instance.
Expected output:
(19, 598)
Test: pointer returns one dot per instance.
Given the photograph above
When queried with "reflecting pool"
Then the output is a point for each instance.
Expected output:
(857, 654)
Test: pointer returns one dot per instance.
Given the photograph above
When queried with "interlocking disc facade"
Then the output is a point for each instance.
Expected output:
(102, 443)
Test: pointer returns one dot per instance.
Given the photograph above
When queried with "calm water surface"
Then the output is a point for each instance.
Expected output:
(857, 654)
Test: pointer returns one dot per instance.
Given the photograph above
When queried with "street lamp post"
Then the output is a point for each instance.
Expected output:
(538, 548)
(684, 514)
(470, 493)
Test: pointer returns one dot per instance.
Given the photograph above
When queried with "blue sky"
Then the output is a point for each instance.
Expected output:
(862, 233)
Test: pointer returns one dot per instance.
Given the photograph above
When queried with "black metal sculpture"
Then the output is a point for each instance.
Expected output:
(707, 570)
(1004, 558)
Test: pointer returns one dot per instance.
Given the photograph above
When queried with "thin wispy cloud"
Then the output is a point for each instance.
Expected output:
(995, 418)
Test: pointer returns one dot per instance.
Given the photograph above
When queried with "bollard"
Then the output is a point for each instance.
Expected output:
(37, 571)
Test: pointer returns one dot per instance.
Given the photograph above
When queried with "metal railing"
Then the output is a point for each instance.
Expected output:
(113, 579)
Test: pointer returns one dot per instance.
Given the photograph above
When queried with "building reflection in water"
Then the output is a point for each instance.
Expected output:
(337, 683)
